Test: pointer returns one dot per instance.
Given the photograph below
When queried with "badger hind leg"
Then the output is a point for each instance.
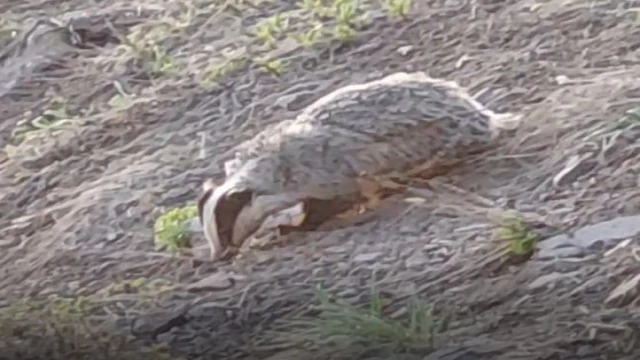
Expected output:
(433, 168)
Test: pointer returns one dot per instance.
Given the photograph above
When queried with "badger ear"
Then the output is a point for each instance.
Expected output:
(230, 167)
(209, 184)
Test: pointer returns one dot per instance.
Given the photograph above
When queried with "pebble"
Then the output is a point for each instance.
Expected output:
(214, 282)
(608, 232)
(366, 257)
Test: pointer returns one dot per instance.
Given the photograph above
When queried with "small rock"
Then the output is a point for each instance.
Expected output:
(263, 258)
(336, 250)
(194, 225)
(73, 285)
(416, 261)
(167, 338)
(319, 271)
(159, 322)
(550, 279)
(407, 229)
(562, 253)
(405, 50)
(366, 257)
(463, 59)
(214, 282)
(284, 101)
(342, 266)
(111, 236)
(211, 312)
(431, 247)
(610, 232)
(201, 253)
(9, 242)
(562, 80)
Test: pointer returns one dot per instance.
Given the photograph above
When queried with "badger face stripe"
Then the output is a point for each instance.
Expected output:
(218, 209)
(202, 200)
(207, 191)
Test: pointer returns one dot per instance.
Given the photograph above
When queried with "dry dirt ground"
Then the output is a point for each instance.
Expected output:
(142, 99)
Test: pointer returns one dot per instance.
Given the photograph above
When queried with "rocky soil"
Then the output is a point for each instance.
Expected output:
(113, 112)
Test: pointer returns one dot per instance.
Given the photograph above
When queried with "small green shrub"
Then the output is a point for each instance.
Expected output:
(171, 229)
(521, 239)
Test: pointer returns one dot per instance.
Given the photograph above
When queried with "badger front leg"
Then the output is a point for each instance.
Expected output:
(374, 189)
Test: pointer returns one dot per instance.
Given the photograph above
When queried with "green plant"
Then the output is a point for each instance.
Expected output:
(270, 66)
(171, 229)
(145, 42)
(315, 7)
(53, 118)
(67, 328)
(346, 12)
(520, 238)
(161, 62)
(343, 327)
(141, 286)
(231, 62)
(119, 101)
(309, 37)
(397, 8)
(9, 28)
(344, 32)
(270, 29)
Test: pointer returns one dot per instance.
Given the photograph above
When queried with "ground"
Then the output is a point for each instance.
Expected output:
(101, 137)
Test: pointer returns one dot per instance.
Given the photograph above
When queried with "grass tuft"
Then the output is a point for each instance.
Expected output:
(630, 119)
(341, 327)
(66, 328)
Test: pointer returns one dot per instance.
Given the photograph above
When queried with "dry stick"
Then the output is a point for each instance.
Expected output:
(203, 145)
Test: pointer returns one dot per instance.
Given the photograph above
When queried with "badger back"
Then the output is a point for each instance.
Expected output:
(390, 123)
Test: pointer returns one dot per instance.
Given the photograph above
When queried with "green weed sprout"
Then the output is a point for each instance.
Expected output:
(397, 8)
(270, 66)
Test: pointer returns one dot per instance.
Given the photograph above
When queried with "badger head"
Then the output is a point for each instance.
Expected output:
(256, 199)
(246, 203)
